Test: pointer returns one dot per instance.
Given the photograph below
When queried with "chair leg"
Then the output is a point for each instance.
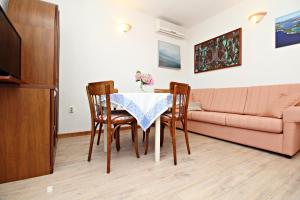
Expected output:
(91, 143)
(114, 135)
(99, 134)
(109, 139)
(162, 128)
(144, 136)
(173, 135)
(132, 133)
(147, 140)
(136, 141)
(187, 139)
(118, 139)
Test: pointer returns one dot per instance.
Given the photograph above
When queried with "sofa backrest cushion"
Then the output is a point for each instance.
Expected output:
(229, 100)
(204, 96)
(260, 97)
(276, 107)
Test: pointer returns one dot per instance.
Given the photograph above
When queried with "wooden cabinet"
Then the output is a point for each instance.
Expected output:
(37, 22)
(29, 112)
(25, 132)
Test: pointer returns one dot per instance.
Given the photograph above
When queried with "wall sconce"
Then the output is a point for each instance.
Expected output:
(124, 27)
(256, 17)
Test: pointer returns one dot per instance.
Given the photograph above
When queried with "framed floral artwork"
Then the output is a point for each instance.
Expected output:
(220, 52)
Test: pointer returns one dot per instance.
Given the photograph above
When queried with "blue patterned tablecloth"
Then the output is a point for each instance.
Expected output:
(145, 107)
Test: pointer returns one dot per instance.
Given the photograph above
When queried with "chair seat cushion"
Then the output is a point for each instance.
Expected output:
(209, 117)
(266, 124)
(166, 117)
(118, 117)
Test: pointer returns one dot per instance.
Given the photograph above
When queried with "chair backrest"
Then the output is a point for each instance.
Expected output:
(181, 95)
(96, 92)
(161, 90)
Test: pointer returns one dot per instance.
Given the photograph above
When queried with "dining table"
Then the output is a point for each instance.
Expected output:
(146, 108)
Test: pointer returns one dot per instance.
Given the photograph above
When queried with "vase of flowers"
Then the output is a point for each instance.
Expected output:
(144, 79)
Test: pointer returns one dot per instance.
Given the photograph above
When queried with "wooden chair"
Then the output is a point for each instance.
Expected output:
(115, 111)
(100, 116)
(161, 90)
(181, 94)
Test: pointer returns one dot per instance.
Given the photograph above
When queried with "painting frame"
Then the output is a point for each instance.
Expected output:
(197, 68)
(287, 30)
(169, 55)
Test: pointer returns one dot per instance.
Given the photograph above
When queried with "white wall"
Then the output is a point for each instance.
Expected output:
(4, 4)
(92, 50)
(262, 62)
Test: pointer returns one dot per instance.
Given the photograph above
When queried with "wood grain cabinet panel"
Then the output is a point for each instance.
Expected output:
(29, 112)
(37, 23)
(24, 133)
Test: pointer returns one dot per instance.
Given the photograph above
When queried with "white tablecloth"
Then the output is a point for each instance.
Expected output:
(145, 107)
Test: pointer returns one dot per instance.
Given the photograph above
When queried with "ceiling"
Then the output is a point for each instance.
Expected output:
(182, 12)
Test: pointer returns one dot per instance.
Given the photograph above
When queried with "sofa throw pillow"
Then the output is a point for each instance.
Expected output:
(276, 107)
(194, 106)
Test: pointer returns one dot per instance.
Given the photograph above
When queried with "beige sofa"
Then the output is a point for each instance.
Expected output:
(237, 115)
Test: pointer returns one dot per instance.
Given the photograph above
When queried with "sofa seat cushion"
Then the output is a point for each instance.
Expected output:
(209, 117)
(257, 123)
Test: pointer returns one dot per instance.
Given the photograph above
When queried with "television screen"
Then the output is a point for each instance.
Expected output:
(10, 48)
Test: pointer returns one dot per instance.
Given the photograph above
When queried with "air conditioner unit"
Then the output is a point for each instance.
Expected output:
(170, 29)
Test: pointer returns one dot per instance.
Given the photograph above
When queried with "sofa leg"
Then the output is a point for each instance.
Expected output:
(289, 157)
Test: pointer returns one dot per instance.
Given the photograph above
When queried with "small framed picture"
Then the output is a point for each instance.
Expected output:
(288, 30)
(169, 55)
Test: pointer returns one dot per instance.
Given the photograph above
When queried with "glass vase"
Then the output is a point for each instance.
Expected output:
(142, 87)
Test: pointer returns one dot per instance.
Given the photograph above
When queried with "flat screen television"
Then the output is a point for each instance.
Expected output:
(10, 48)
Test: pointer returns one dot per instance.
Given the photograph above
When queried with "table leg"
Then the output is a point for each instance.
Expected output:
(105, 137)
(157, 139)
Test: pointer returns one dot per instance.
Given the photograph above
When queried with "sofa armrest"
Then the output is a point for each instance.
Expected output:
(292, 114)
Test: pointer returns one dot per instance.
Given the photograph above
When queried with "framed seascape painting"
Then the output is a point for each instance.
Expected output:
(169, 55)
(287, 30)
(220, 52)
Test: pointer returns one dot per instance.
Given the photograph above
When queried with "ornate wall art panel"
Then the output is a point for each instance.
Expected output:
(220, 52)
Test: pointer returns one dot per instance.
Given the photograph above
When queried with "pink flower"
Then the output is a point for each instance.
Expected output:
(151, 82)
(146, 79)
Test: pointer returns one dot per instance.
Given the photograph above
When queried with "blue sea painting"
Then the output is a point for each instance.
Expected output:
(169, 55)
(288, 30)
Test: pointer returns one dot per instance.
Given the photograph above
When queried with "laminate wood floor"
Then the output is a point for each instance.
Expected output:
(215, 170)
